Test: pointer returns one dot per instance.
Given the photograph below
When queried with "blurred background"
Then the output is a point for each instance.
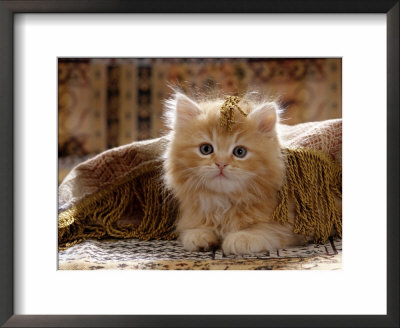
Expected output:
(104, 103)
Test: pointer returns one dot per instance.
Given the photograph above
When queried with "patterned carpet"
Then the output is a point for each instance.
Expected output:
(133, 254)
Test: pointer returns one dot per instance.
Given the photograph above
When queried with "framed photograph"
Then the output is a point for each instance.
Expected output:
(40, 39)
(111, 109)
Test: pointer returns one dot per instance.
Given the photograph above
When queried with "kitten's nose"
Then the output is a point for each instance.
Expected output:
(221, 165)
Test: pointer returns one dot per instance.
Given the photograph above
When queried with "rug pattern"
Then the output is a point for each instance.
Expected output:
(133, 254)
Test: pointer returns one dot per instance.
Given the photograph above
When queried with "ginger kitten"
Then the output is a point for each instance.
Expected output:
(226, 182)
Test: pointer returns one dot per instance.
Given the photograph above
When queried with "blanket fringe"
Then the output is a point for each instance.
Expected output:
(97, 216)
(313, 183)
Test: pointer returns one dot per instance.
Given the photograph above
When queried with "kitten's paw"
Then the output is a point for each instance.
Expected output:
(244, 242)
(198, 239)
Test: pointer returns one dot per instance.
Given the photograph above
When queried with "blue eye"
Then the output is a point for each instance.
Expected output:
(240, 151)
(206, 149)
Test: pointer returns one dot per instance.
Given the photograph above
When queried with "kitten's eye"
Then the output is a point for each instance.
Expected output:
(206, 149)
(240, 151)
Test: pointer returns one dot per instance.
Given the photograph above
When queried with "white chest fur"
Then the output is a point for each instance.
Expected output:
(216, 206)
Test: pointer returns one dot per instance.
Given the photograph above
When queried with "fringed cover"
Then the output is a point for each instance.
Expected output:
(138, 206)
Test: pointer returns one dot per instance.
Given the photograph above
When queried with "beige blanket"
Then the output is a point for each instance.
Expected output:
(103, 182)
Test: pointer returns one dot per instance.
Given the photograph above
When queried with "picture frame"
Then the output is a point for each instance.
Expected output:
(7, 11)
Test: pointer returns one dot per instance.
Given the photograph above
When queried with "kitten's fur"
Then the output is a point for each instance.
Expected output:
(231, 210)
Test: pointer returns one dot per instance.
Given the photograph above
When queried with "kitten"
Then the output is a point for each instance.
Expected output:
(226, 182)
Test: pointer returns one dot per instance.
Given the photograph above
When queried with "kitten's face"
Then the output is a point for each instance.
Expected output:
(205, 156)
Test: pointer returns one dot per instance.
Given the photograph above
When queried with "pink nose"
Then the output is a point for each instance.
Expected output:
(221, 165)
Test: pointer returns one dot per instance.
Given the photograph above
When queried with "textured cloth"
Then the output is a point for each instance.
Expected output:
(325, 136)
(115, 190)
(134, 254)
(97, 173)
(107, 168)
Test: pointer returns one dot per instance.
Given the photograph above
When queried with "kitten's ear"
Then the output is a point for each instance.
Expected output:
(180, 110)
(186, 108)
(266, 116)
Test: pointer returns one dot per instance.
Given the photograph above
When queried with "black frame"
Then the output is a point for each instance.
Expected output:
(7, 10)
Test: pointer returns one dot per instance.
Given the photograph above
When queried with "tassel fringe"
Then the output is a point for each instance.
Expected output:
(97, 216)
(313, 182)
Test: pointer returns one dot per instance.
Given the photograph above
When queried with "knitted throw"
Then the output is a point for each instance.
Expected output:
(120, 194)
